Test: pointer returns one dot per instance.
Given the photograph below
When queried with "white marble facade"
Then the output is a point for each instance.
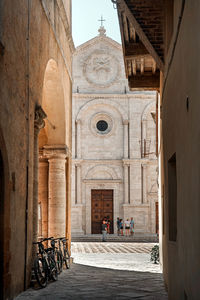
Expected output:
(121, 155)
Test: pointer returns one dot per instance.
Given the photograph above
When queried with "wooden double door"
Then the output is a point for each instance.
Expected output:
(102, 206)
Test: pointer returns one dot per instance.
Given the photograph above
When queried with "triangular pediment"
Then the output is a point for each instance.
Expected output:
(96, 40)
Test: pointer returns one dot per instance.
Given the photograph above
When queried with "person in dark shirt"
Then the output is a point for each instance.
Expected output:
(104, 231)
(118, 226)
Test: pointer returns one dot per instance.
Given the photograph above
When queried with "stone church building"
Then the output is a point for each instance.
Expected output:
(114, 163)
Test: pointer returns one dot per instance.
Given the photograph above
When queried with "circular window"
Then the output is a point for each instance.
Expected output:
(102, 125)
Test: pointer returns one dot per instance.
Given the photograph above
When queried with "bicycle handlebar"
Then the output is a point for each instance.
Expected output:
(43, 240)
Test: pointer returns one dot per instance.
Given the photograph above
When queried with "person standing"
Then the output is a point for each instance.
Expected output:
(104, 231)
(132, 226)
(121, 226)
(108, 225)
(118, 225)
(127, 227)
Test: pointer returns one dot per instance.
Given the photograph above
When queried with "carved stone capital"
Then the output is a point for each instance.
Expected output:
(78, 121)
(126, 162)
(56, 151)
(40, 115)
(125, 122)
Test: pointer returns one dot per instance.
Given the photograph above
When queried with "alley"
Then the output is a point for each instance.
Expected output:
(106, 278)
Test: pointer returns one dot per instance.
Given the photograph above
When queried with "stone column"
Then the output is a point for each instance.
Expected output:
(78, 138)
(144, 185)
(57, 195)
(126, 138)
(43, 193)
(144, 134)
(38, 124)
(126, 184)
(78, 185)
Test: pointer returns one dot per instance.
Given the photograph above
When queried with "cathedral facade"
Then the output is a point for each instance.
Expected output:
(114, 162)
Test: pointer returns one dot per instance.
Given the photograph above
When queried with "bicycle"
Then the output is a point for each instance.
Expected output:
(45, 265)
(58, 256)
(66, 256)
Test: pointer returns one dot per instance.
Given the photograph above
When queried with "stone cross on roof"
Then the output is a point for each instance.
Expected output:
(101, 20)
(101, 29)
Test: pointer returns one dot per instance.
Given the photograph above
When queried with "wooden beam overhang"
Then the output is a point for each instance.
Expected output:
(125, 12)
(135, 48)
(143, 81)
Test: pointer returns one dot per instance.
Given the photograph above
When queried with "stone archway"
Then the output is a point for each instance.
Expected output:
(52, 156)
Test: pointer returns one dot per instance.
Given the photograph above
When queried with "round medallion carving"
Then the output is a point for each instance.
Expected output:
(101, 68)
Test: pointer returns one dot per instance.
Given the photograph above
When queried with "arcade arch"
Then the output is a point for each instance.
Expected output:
(53, 153)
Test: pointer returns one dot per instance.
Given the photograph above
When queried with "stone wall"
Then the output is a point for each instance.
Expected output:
(181, 130)
(30, 41)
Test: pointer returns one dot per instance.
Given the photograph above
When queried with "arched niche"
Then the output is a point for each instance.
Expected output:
(102, 103)
(148, 130)
(101, 172)
(53, 104)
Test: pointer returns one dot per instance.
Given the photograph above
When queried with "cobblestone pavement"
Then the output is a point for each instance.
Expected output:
(84, 247)
(119, 256)
(90, 282)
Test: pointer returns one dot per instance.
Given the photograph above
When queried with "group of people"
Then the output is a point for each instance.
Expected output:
(121, 225)
(127, 225)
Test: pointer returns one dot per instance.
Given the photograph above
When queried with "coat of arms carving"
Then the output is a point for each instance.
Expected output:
(101, 68)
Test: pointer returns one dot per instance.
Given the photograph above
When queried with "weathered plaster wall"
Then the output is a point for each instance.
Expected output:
(181, 133)
(29, 42)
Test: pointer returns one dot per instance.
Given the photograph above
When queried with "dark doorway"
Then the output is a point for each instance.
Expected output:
(102, 206)
(1, 225)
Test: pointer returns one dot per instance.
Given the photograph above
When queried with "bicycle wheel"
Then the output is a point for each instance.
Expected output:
(67, 258)
(40, 270)
(59, 261)
(53, 268)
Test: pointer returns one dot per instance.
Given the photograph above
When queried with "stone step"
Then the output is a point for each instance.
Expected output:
(115, 238)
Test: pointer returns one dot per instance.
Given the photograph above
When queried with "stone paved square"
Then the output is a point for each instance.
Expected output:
(106, 276)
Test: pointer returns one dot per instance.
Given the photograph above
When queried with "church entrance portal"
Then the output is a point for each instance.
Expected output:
(102, 206)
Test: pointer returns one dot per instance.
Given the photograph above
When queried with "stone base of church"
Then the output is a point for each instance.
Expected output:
(138, 237)
(144, 217)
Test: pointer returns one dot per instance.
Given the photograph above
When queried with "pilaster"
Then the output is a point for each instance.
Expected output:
(38, 124)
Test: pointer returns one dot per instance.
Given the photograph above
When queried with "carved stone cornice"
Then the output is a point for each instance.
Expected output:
(77, 162)
(131, 95)
(126, 162)
(99, 181)
(95, 41)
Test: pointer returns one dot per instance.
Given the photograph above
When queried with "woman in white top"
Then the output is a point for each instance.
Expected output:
(127, 227)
